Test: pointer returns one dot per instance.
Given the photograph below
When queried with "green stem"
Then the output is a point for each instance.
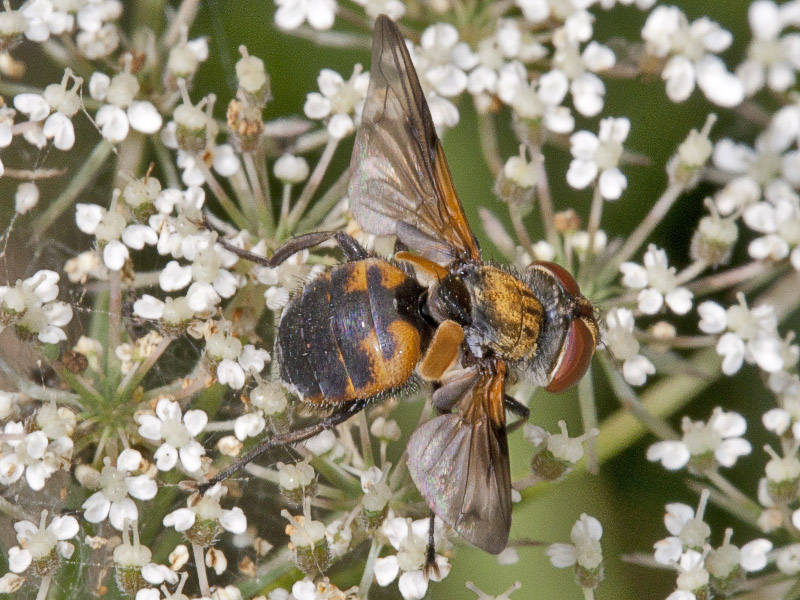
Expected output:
(641, 233)
(222, 197)
(311, 187)
(544, 197)
(491, 151)
(200, 565)
(588, 407)
(85, 176)
(369, 569)
(324, 205)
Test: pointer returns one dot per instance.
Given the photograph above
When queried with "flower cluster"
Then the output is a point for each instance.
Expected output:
(153, 365)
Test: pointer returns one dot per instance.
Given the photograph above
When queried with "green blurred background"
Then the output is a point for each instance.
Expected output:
(629, 494)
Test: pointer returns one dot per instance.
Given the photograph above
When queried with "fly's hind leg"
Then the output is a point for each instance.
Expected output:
(431, 568)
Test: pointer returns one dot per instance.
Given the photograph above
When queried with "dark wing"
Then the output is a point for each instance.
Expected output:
(400, 182)
(459, 463)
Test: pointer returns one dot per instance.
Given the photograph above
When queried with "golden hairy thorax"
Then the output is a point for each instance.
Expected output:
(506, 314)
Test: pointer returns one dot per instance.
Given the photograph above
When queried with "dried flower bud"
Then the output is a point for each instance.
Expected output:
(245, 123)
(567, 221)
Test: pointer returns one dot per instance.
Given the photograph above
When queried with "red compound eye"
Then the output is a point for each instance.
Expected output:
(577, 353)
(560, 273)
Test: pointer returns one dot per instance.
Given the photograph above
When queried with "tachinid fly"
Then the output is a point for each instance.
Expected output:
(368, 328)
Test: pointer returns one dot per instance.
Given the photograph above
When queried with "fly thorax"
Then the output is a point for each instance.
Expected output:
(497, 310)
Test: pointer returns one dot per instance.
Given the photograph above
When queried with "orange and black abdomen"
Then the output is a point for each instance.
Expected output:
(352, 333)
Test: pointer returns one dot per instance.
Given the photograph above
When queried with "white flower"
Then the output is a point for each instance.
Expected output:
(772, 59)
(619, 339)
(40, 543)
(587, 89)
(207, 508)
(338, 100)
(585, 548)
(658, 283)
(787, 559)
(44, 20)
(176, 431)
(593, 155)
(720, 438)
(122, 110)
(540, 99)
(752, 335)
(754, 555)
(116, 484)
(410, 539)
(291, 14)
(690, 54)
(30, 306)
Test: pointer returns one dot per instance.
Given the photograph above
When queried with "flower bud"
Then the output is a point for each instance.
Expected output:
(685, 166)
(515, 182)
(783, 476)
(291, 169)
(297, 481)
(129, 560)
(140, 196)
(253, 79)
(271, 400)
(12, 25)
(308, 542)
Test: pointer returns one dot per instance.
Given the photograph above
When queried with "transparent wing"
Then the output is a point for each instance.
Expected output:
(459, 463)
(399, 173)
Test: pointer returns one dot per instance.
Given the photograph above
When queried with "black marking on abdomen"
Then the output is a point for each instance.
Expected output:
(321, 346)
(352, 325)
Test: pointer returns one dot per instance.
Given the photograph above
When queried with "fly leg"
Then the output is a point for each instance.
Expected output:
(349, 246)
(431, 568)
(285, 439)
(351, 249)
(516, 408)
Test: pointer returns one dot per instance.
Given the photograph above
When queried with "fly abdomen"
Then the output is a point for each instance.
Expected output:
(352, 333)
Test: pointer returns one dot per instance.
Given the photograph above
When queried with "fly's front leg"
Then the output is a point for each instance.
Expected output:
(351, 249)
(516, 408)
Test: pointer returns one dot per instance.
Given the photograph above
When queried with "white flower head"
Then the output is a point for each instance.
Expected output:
(585, 550)
(291, 14)
(338, 100)
(618, 337)
(41, 544)
(657, 282)
(690, 54)
(596, 158)
(772, 59)
(410, 540)
(718, 440)
(116, 484)
(176, 431)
